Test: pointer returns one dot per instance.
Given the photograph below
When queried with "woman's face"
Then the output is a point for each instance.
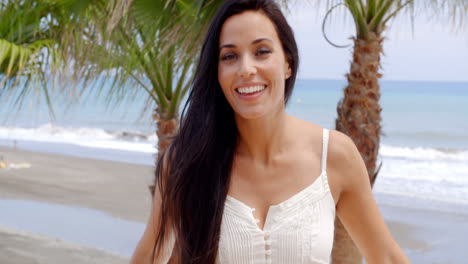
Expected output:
(252, 65)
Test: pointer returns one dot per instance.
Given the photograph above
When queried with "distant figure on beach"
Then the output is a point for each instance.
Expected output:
(245, 182)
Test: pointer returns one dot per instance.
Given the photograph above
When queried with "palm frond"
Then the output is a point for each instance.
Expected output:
(25, 47)
(374, 15)
(153, 43)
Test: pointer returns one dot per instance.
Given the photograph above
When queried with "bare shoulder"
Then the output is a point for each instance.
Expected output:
(345, 166)
(341, 148)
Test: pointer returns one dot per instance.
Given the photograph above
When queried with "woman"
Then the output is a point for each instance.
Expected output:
(244, 182)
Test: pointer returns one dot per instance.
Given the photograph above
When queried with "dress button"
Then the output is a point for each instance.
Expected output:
(268, 252)
(268, 242)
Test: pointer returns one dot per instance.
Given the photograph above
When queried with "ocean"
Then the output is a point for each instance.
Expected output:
(424, 147)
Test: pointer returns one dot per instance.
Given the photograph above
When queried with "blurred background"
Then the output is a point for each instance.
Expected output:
(91, 91)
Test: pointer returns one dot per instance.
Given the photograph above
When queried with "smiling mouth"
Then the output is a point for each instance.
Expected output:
(251, 90)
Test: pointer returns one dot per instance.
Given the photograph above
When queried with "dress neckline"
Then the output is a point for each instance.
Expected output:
(289, 200)
(300, 200)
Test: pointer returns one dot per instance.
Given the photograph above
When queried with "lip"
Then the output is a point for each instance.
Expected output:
(249, 85)
(251, 96)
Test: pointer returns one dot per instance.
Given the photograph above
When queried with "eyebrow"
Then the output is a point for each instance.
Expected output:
(253, 42)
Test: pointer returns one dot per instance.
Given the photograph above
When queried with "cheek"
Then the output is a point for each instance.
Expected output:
(276, 75)
(224, 80)
(276, 68)
(223, 77)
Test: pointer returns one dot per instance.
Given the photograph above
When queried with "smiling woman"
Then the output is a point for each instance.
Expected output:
(253, 66)
(243, 181)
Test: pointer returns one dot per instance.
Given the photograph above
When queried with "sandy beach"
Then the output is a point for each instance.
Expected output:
(120, 190)
(18, 246)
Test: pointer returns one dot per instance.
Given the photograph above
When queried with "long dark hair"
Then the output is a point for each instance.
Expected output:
(195, 182)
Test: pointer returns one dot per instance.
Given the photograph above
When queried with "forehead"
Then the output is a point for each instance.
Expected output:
(247, 26)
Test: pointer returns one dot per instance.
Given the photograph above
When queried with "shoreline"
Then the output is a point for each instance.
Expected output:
(121, 191)
(19, 247)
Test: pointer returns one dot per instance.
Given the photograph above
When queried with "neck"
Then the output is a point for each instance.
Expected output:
(262, 138)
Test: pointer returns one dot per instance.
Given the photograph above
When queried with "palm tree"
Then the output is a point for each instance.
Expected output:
(156, 43)
(145, 45)
(359, 110)
(134, 45)
(26, 49)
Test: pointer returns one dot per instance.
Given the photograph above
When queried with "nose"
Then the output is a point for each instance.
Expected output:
(247, 68)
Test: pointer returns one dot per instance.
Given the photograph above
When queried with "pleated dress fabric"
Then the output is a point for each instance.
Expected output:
(296, 231)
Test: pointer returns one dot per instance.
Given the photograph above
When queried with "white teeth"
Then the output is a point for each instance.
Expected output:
(252, 89)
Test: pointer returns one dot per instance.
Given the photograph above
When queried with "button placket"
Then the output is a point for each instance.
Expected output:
(266, 236)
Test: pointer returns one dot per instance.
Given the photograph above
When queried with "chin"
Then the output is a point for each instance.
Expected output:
(253, 114)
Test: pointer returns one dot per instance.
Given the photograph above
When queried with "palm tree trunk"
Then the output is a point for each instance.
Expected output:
(359, 118)
(166, 129)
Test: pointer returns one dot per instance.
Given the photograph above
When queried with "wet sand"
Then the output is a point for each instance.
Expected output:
(18, 246)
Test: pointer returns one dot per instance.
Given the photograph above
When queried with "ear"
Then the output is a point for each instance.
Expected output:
(288, 68)
(288, 71)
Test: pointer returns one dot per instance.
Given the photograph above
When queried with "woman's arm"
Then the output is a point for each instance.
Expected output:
(356, 206)
(144, 250)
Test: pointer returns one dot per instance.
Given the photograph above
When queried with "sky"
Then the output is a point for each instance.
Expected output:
(433, 53)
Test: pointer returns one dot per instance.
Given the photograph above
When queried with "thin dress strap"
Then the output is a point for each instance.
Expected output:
(325, 149)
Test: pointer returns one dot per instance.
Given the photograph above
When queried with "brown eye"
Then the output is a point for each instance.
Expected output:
(228, 56)
(262, 51)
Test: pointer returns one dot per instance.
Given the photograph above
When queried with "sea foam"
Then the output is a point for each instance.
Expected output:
(83, 136)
